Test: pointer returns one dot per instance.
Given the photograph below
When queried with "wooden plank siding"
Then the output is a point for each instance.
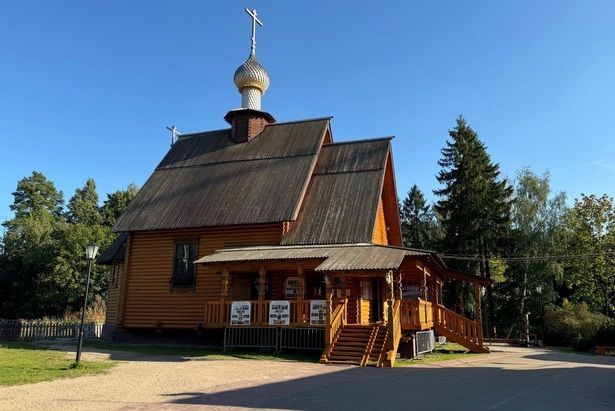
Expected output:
(390, 205)
(380, 228)
(149, 299)
(113, 296)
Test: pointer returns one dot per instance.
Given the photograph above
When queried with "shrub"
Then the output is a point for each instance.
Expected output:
(576, 326)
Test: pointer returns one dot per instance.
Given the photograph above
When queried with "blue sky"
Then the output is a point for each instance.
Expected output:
(87, 88)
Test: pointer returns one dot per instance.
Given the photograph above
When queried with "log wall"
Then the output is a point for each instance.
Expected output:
(380, 228)
(149, 300)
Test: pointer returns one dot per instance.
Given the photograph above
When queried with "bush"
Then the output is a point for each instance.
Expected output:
(574, 325)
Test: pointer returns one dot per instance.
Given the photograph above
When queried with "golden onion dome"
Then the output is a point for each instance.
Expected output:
(251, 74)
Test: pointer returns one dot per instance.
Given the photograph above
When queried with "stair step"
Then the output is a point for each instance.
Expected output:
(349, 349)
(344, 362)
(345, 358)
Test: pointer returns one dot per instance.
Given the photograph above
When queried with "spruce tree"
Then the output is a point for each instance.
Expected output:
(417, 222)
(475, 201)
(83, 206)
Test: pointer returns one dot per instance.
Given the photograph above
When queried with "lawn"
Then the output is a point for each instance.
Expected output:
(22, 363)
(208, 353)
(444, 352)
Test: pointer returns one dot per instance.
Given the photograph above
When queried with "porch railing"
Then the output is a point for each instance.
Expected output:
(416, 314)
(460, 325)
(218, 313)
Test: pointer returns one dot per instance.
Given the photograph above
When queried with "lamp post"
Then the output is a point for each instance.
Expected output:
(90, 254)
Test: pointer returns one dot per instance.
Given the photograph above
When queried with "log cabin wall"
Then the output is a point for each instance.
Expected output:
(113, 293)
(149, 300)
(380, 228)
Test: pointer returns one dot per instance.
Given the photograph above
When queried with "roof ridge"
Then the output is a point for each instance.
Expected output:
(308, 120)
(196, 133)
(365, 140)
(347, 171)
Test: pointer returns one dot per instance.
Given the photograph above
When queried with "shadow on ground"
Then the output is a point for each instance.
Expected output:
(538, 383)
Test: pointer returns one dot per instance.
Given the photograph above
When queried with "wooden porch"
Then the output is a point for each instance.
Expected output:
(360, 314)
(218, 314)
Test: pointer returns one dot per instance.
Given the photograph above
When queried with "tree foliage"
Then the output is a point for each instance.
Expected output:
(419, 228)
(535, 224)
(473, 207)
(83, 206)
(475, 202)
(36, 195)
(42, 263)
(116, 203)
(591, 232)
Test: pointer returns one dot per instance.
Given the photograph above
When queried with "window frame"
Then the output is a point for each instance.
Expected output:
(180, 285)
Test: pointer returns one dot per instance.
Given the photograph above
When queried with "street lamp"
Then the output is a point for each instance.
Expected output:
(90, 254)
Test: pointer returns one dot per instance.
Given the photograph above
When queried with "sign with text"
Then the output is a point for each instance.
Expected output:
(279, 313)
(240, 312)
(318, 312)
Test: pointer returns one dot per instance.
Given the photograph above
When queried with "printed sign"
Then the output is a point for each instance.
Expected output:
(293, 285)
(240, 312)
(279, 313)
(318, 312)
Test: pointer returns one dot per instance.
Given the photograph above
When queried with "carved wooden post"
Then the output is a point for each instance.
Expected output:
(224, 294)
(224, 289)
(262, 279)
(301, 277)
(329, 296)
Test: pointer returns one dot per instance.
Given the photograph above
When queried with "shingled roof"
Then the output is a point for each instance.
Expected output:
(341, 204)
(206, 180)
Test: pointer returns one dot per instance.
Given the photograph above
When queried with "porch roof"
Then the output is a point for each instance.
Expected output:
(339, 257)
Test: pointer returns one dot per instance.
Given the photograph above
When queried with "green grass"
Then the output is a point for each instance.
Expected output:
(22, 363)
(207, 353)
(445, 352)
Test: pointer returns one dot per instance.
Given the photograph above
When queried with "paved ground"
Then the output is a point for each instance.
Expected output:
(507, 379)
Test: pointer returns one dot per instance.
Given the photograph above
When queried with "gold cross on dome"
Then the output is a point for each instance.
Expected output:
(255, 20)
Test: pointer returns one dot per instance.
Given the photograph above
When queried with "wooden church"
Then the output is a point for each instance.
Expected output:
(282, 238)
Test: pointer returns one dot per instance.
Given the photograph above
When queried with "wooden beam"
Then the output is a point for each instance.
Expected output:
(224, 288)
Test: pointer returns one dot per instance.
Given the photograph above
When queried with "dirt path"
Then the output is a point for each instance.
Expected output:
(508, 379)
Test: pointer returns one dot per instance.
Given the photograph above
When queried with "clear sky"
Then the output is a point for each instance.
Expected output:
(87, 87)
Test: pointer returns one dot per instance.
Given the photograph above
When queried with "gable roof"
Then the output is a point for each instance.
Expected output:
(206, 180)
(342, 200)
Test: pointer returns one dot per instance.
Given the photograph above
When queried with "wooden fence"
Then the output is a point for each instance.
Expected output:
(17, 330)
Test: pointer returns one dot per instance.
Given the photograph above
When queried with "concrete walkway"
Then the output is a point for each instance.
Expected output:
(507, 379)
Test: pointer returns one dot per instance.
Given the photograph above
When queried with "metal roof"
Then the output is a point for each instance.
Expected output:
(206, 180)
(341, 257)
(115, 252)
(342, 200)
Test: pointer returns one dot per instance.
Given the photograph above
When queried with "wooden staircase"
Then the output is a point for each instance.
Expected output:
(358, 345)
(459, 329)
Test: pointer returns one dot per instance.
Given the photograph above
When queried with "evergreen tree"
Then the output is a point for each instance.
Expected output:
(29, 244)
(417, 221)
(83, 206)
(36, 194)
(475, 202)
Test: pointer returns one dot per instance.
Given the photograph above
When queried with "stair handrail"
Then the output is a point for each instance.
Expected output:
(335, 322)
(369, 346)
(458, 324)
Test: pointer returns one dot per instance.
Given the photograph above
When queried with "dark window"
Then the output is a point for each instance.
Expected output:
(183, 267)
